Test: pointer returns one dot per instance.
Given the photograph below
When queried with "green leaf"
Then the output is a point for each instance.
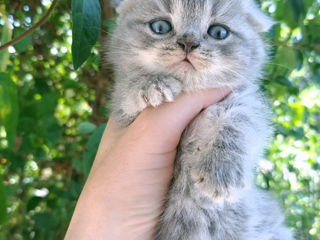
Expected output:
(24, 43)
(3, 203)
(50, 129)
(297, 8)
(85, 29)
(16, 161)
(33, 203)
(77, 165)
(288, 17)
(285, 59)
(91, 149)
(46, 105)
(299, 63)
(284, 81)
(44, 221)
(86, 127)
(8, 107)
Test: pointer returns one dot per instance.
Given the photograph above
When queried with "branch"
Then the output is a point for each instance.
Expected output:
(30, 30)
(311, 47)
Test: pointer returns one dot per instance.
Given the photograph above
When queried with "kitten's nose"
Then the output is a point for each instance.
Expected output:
(188, 42)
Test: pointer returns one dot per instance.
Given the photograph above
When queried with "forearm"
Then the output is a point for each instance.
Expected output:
(115, 204)
(98, 216)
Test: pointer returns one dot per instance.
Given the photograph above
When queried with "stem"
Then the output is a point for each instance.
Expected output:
(311, 47)
(30, 30)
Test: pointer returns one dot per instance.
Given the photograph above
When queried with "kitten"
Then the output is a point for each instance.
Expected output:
(162, 47)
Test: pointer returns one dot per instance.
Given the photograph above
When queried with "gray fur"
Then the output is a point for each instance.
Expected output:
(212, 194)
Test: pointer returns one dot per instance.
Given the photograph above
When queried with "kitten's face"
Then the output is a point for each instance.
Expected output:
(204, 43)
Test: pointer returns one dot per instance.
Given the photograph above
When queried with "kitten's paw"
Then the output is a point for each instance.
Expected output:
(215, 187)
(164, 90)
(209, 185)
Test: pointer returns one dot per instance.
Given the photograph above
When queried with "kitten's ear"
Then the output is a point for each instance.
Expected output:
(260, 21)
(118, 4)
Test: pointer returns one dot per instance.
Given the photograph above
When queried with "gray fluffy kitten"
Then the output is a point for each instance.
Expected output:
(162, 47)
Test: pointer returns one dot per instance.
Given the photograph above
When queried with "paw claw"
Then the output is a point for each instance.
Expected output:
(168, 95)
(154, 94)
(163, 91)
(145, 99)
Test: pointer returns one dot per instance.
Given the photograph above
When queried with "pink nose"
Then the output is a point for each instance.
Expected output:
(188, 42)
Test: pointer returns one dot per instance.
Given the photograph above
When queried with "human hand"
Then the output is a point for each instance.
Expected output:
(125, 191)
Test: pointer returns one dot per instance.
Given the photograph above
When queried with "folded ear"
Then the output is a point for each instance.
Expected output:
(260, 21)
(117, 4)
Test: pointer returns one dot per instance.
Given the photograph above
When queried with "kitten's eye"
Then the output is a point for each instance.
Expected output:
(161, 27)
(218, 32)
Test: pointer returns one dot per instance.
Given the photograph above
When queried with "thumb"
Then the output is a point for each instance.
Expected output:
(163, 126)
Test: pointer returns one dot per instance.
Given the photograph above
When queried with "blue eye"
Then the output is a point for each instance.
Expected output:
(218, 32)
(161, 27)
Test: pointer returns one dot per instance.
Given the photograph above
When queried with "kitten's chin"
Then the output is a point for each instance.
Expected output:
(195, 73)
(193, 79)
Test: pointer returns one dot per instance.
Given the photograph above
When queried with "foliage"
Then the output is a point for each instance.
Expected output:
(51, 115)
(85, 29)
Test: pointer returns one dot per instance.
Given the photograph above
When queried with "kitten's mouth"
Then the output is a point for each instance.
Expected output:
(187, 61)
(183, 64)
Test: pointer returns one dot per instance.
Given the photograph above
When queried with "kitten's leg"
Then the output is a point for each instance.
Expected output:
(223, 169)
(183, 226)
(187, 219)
(227, 151)
(182, 219)
(132, 96)
(215, 159)
(218, 150)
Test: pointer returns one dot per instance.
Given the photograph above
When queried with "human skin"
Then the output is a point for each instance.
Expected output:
(125, 191)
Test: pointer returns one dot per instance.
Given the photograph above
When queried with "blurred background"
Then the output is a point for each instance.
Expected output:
(52, 116)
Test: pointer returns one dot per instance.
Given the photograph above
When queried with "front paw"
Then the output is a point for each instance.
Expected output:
(162, 90)
(217, 184)
(128, 104)
(212, 184)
